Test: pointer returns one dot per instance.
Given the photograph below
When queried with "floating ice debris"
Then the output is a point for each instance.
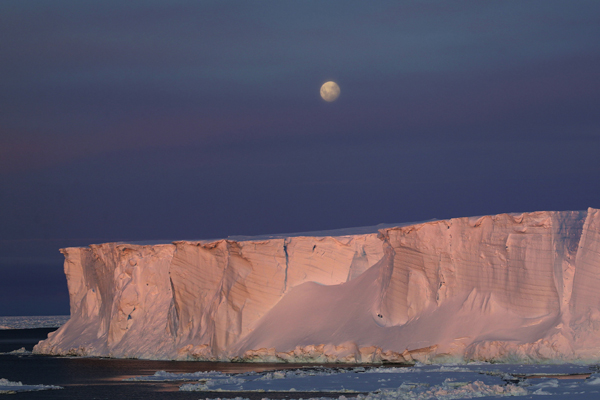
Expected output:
(161, 376)
(456, 381)
(8, 387)
(20, 351)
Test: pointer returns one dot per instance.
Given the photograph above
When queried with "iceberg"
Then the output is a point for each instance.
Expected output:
(520, 288)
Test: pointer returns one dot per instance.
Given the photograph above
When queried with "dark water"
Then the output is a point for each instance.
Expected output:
(94, 378)
(13, 339)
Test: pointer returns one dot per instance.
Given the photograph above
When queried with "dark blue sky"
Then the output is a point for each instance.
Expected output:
(147, 120)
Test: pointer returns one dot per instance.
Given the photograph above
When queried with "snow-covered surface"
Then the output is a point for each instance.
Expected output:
(418, 382)
(30, 322)
(357, 230)
(507, 288)
(8, 387)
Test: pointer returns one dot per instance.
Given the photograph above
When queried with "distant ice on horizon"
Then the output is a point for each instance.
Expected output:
(32, 322)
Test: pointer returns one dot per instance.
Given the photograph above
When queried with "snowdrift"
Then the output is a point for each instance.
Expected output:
(506, 288)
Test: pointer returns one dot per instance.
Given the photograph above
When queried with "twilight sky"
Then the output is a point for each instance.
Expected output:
(151, 120)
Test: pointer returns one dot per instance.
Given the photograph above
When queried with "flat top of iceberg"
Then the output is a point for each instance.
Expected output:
(360, 230)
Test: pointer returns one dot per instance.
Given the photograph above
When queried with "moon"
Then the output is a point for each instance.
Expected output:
(330, 91)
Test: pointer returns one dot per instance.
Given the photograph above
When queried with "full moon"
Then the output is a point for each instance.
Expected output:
(330, 91)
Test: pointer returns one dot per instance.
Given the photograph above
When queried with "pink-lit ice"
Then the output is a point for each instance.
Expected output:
(504, 288)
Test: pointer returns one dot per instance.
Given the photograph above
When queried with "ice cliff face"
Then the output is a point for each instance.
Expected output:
(507, 288)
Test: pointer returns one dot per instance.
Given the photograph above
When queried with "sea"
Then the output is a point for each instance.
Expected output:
(103, 378)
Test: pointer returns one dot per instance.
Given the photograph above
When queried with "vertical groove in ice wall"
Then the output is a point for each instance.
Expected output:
(586, 282)
(287, 264)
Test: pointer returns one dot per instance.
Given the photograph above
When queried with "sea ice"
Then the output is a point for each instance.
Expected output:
(421, 382)
(31, 322)
(163, 376)
(21, 351)
(360, 379)
(8, 387)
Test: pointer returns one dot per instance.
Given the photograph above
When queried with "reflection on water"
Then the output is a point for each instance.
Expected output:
(100, 378)
(147, 368)
(103, 378)
(14, 339)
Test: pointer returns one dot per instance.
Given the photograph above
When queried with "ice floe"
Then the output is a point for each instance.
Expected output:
(21, 351)
(8, 387)
(456, 381)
